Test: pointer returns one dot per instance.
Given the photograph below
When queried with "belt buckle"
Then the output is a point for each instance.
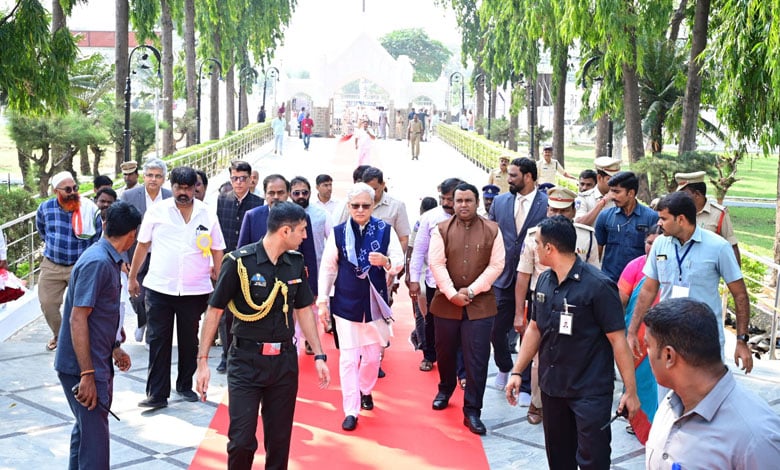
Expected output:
(271, 349)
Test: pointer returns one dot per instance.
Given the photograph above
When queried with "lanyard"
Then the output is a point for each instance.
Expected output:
(680, 260)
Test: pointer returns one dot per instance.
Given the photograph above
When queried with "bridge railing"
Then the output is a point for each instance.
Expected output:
(25, 248)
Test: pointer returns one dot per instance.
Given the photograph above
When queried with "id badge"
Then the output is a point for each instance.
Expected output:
(565, 327)
(272, 349)
(679, 292)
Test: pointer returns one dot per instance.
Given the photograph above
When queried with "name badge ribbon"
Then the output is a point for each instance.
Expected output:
(204, 242)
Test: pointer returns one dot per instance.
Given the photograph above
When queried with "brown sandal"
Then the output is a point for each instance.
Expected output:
(52, 344)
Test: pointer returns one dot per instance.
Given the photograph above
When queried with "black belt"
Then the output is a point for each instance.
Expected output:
(260, 346)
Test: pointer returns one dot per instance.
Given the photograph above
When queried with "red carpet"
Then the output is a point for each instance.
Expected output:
(402, 431)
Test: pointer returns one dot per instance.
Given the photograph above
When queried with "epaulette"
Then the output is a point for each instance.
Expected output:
(243, 251)
(584, 227)
(588, 192)
(720, 207)
(295, 253)
(532, 230)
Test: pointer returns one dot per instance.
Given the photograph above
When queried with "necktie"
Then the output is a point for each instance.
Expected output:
(519, 213)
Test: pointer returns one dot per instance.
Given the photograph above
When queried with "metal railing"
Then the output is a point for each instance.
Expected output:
(211, 157)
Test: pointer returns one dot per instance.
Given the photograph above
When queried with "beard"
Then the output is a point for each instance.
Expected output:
(302, 202)
(70, 202)
(183, 200)
(513, 189)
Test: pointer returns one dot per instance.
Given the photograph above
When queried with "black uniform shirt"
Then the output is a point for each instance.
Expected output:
(581, 364)
(262, 274)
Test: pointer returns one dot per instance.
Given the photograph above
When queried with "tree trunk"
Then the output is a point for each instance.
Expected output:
(560, 69)
(57, 16)
(214, 90)
(513, 125)
(84, 168)
(168, 145)
(43, 175)
(24, 166)
(634, 140)
(679, 15)
(692, 100)
(120, 52)
(230, 99)
(189, 60)
(97, 151)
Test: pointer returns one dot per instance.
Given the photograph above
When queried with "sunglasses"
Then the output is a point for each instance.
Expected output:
(69, 189)
(365, 207)
(241, 178)
(302, 192)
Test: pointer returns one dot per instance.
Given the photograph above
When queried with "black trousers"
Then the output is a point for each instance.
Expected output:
(502, 354)
(162, 311)
(270, 381)
(425, 327)
(139, 302)
(225, 335)
(572, 432)
(474, 337)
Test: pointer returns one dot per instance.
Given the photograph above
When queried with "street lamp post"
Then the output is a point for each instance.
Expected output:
(531, 87)
(273, 72)
(126, 134)
(458, 77)
(610, 126)
(200, 76)
(241, 80)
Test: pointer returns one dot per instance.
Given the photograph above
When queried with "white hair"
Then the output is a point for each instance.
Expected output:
(157, 164)
(358, 189)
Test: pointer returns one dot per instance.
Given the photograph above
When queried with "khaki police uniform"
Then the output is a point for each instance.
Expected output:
(715, 218)
(587, 201)
(262, 361)
(546, 172)
(586, 248)
(500, 179)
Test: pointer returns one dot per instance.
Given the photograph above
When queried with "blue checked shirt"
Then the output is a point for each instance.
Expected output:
(56, 230)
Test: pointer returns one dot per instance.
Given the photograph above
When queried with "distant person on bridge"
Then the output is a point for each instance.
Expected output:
(363, 143)
(416, 130)
(279, 125)
(382, 123)
(301, 117)
(307, 126)
(261, 114)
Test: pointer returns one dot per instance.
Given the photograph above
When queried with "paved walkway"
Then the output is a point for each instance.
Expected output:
(37, 421)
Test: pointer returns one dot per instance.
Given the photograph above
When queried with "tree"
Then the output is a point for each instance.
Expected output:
(34, 62)
(91, 81)
(742, 50)
(428, 55)
(692, 100)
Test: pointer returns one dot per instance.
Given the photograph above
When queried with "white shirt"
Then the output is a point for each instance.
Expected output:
(177, 265)
(149, 201)
(321, 227)
(329, 207)
(419, 259)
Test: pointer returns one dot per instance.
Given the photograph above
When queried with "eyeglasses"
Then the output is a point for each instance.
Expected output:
(241, 178)
(69, 189)
(153, 176)
(302, 192)
(365, 207)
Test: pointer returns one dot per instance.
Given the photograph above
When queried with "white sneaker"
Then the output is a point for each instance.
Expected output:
(524, 399)
(139, 333)
(501, 379)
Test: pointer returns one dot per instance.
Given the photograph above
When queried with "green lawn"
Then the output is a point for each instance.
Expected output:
(755, 229)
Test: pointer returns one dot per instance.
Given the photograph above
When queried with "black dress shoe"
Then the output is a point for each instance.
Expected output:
(222, 367)
(188, 395)
(154, 403)
(441, 401)
(474, 424)
(366, 402)
(381, 373)
(350, 423)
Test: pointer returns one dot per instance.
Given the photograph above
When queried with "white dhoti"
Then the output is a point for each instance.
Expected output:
(360, 349)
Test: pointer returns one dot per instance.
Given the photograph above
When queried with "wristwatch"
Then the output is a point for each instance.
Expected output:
(471, 293)
(743, 337)
(321, 356)
(389, 263)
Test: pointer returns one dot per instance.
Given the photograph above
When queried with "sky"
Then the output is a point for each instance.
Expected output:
(327, 26)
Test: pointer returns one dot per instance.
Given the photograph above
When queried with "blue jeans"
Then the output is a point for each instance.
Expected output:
(306, 140)
(89, 439)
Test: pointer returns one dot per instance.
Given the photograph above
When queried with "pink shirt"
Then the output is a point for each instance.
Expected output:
(631, 275)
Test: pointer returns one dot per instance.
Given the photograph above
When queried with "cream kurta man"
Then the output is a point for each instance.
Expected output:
(590, 203)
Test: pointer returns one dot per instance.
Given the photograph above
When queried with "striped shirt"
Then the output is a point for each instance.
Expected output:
(56, 230)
